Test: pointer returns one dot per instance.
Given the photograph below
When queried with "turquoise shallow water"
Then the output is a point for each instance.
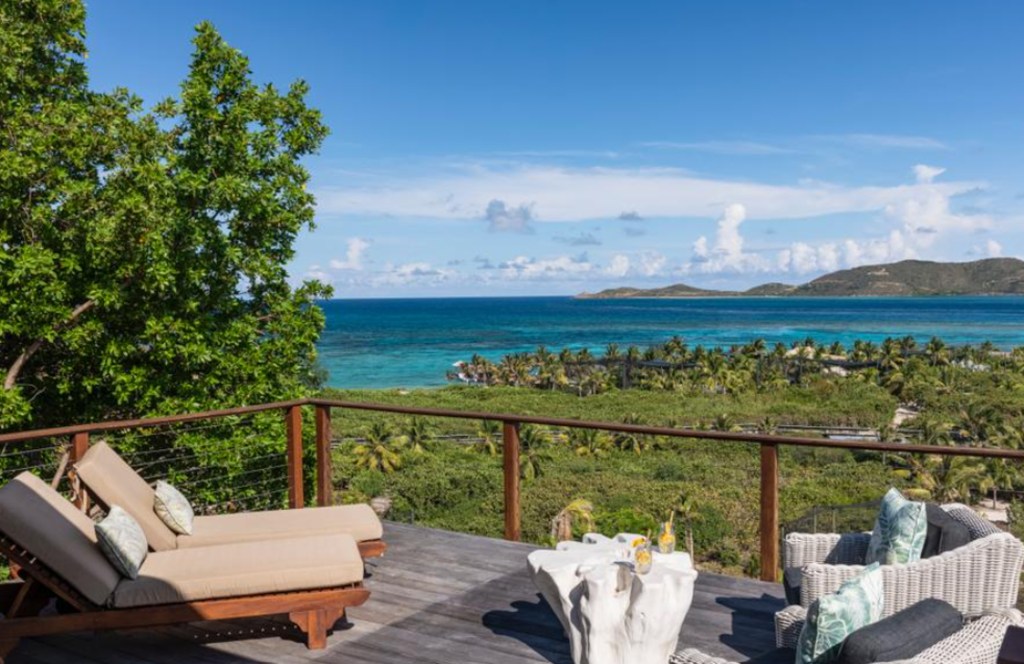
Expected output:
(412, 343)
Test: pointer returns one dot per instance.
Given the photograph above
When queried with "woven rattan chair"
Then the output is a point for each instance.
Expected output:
(977, 643)
(979, 577)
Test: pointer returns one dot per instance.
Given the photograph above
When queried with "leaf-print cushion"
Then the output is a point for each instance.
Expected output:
(900, 531)
(832, 618)
(173, 508)
(122, 541)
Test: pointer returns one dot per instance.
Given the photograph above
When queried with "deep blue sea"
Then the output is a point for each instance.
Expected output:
(412, 343)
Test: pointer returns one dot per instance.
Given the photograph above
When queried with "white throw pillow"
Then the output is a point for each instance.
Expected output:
(830, 619)
(122, 541)
(900, 531)
(173, 508)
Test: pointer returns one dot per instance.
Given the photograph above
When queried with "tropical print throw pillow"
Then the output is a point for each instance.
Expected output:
(122, 541)
(900, 531)
(832, 618)
(173, 508)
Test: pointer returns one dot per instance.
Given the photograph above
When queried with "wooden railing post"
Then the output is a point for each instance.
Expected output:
(510, 454)
(293, 447)
(769, 512)
(324, 481)
(79, 446)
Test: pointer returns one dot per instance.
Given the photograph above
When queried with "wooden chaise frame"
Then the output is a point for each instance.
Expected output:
(367, 549)
(314, 612)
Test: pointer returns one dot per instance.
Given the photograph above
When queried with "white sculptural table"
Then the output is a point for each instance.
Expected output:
(611, 614)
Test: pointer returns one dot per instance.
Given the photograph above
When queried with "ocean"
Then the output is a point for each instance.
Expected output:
(413, 342)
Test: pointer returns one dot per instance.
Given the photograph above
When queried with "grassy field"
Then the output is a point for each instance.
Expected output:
(822, 402)
(459, 487)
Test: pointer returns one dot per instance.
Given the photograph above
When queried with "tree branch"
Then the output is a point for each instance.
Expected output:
(26, 355)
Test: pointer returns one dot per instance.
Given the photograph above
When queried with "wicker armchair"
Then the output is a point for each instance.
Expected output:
(977, 643)
(979, 577)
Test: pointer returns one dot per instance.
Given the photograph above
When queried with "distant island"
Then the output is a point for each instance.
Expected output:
(991, 276)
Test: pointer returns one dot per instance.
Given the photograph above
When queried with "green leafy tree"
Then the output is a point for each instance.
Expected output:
(142, 253)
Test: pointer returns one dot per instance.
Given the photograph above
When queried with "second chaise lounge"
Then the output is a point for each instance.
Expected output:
(111, 481)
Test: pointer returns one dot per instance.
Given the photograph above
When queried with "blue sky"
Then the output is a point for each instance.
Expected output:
(531, 148)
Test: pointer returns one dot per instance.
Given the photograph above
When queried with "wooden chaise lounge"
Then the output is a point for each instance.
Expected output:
(111, 481)
(312, 580)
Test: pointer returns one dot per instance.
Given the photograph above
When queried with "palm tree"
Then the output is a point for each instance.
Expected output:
(725, 422)
(418, 435)
(380, 451)
(579, 511)
(532, 454)
(946, 479)
(976, 420)
(937, 352)
(588, 442)
(628, 441)
(769, 425)
(686, 508)
(489, 434)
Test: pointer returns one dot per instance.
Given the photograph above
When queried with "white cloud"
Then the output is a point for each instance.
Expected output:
(318, 273)
(513, 219)
(926, 214)
(355, 248)
(560, 267)
(727, 254)
(618, 266)
(651, 263)
(804, 258)
(565, 194)
(721, 147)
(925, 174)
(887, 141)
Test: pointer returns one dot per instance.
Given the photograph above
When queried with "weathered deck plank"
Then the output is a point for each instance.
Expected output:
(438, 597)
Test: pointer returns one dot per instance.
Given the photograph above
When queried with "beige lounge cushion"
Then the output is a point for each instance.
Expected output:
(52, 529)
(238, 570)
(359, 521)
(114, 482)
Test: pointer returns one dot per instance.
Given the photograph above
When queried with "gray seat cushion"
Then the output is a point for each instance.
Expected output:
(944, 532)
(791, 577)
(902, 635)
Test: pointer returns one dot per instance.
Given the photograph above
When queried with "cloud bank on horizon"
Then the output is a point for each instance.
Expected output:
(635, 224)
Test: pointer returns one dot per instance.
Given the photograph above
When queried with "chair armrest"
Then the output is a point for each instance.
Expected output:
(977, 643)
(799, 549)
(981, 576)
(692, 656)
(789, 622)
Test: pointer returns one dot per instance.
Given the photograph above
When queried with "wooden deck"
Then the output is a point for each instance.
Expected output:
(438, 597)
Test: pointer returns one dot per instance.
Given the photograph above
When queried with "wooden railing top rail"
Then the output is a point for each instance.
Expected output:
(142, 423)
(643, 429)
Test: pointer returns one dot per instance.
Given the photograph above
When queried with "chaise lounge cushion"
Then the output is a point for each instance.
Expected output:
(113, 482)
(902, 635)
(47, 525)
(238, 570)
(944, 532)
(359, 521)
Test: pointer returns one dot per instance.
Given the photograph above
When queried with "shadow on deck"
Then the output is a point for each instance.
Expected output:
(437, 597)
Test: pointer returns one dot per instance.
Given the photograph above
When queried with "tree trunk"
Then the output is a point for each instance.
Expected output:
(15, 369)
